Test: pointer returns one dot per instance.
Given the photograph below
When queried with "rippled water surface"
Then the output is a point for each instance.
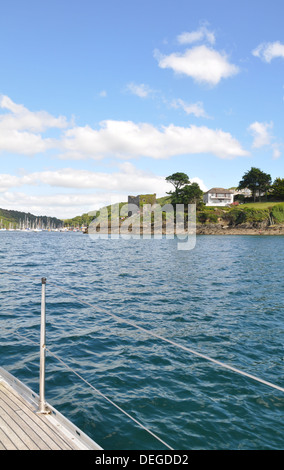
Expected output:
(223, 299)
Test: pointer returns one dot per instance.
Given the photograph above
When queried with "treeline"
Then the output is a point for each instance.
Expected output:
(79, 221)
(17, 218)
(258, 182)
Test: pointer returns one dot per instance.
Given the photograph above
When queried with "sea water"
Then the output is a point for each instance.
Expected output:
(223, 299)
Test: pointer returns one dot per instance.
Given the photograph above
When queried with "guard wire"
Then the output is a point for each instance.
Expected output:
(98, 392)
(151, 333)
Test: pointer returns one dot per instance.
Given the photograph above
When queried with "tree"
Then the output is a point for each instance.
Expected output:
(189, 194)
(177, 180)
(255, 180)
(278, 188)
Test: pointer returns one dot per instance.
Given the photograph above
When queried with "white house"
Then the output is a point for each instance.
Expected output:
(218, 197)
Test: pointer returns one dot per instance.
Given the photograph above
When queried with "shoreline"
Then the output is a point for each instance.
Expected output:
(201, 229)
(217, 229)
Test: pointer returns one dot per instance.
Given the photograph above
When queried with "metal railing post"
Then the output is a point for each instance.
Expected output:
(42, 407)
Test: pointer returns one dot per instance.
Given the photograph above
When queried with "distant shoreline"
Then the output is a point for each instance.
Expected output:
(180, 229)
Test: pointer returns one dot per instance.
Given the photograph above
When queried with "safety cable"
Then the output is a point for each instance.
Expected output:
(173, 343)
(97, 391)
(151, 333)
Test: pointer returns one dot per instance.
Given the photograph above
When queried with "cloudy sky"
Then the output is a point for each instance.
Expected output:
(101, 99)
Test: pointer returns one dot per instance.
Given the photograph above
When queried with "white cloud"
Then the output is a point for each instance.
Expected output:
(59, 205)
(190, 108)
(203, 64)
(261, 133)
(141, 90)
(276, 151)
(20, 129)
(127, 179)
(24, 143)
(126, 139)
(103, 94)
(200, 182)
(262, 137)
(201, 34)
(8, 181)
(21, 119)
(21, 132)
(268, 51)
(108, 188)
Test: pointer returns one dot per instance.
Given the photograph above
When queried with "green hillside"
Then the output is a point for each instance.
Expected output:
(251, 213)
(16, 219)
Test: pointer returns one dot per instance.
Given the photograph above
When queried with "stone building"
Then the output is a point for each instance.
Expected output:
(139, 201)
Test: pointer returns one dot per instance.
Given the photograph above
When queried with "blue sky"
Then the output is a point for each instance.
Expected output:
(99, 100)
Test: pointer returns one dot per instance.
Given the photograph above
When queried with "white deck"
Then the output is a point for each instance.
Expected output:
(22, 428)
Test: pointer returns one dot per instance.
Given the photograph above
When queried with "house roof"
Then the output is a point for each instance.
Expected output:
(220, 190)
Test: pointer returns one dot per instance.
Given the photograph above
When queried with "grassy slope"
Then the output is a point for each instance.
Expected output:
(259, 205)
(254, 212)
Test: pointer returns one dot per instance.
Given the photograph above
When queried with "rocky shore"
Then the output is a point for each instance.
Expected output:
(201, 229)
(241, 229)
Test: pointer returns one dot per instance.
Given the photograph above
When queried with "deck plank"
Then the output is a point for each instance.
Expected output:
(19, 432)
(49, 435)
(5, 441)
(17, 436)
(21, 428)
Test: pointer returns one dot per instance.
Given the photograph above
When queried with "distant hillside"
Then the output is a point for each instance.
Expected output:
(86, 219)
(259, 214)
(17, 219)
